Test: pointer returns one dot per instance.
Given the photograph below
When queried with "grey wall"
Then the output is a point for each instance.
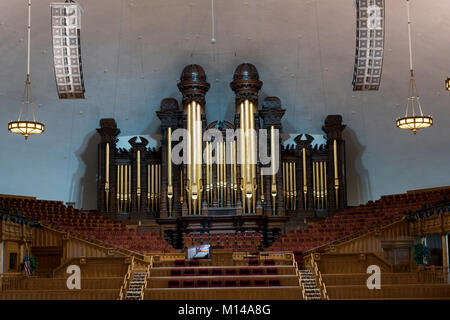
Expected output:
(134, 51)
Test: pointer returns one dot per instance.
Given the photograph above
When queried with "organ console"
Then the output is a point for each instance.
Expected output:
(221, 177)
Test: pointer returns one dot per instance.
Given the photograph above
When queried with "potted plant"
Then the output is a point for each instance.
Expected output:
(421, 254)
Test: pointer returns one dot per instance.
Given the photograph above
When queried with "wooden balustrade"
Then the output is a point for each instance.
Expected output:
(318, 276)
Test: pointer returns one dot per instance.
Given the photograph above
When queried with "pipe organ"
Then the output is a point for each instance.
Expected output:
(222, 174)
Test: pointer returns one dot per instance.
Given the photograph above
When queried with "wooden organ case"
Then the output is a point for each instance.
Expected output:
(218, 188)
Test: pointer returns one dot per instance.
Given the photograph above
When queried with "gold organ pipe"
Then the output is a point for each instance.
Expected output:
(291, 184)
(194, 156)
(321, 185)
(169, 170)
(138, 172)
(118, 188)
(222, 182)
(224, 174)
(231, 174)
(181, 186)
(121, 187)
(211, 176)
(152, 173)
(326, 184)
(107, 167)
(305, 185)
(235, 171)
(159, 186)
(253, 154)
(318, 184)
(218, 173)
(284, 184)
(189, 164)
(262, 187)
(198, 151)
(129, 187)
(314, 183)
(212, 181)
(207, 172)
(295, 186)
(336, 176)
(148, 186)
(107, 176)
(138, 191)
(248, 154)
(242, 151)
(210, 173)
(125, 187)
(273, 154)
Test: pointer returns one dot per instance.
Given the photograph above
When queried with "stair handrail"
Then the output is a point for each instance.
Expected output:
(147, 276)
(299, 277)
(318, 276)
(126, 279)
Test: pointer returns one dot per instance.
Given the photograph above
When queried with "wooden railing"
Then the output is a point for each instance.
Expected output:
(299, 276)
(434, 274)
(147, 277)
(11, 281)
(318, 276)
(126, 280)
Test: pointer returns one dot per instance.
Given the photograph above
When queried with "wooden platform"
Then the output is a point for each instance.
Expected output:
(239, 293)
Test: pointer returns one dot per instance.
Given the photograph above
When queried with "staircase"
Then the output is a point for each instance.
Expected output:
(312, 291)
(137, 286)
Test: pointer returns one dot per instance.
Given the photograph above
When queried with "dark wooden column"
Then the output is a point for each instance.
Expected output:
(108, 132)
(333, 127)
(306, 144)
(246, 86)
(170, 115)
(272, 113)
(135, 147)
(193, 86)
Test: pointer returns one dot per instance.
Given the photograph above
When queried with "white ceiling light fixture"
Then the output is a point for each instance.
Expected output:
(26, 127)
(415, 121)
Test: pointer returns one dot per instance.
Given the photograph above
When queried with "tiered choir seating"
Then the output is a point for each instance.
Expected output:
(345, 278)
(184, 281)
(89, 226)
(356, 221)
(239, 240)
(101, 279)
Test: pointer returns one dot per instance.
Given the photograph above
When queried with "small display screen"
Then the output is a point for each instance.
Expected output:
(198, 252)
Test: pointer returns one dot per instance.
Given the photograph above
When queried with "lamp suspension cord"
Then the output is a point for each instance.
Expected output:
(28, 43)
(415, 94)
(28, 86)
(213, 39)
(409, 37)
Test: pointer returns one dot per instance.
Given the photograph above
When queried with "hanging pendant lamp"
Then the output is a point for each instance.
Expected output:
(411, 120)
(26, 127)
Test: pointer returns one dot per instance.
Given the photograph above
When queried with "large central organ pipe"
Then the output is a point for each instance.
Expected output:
(248, 157)
(169, 170)
(194, 180)
(273, 154)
